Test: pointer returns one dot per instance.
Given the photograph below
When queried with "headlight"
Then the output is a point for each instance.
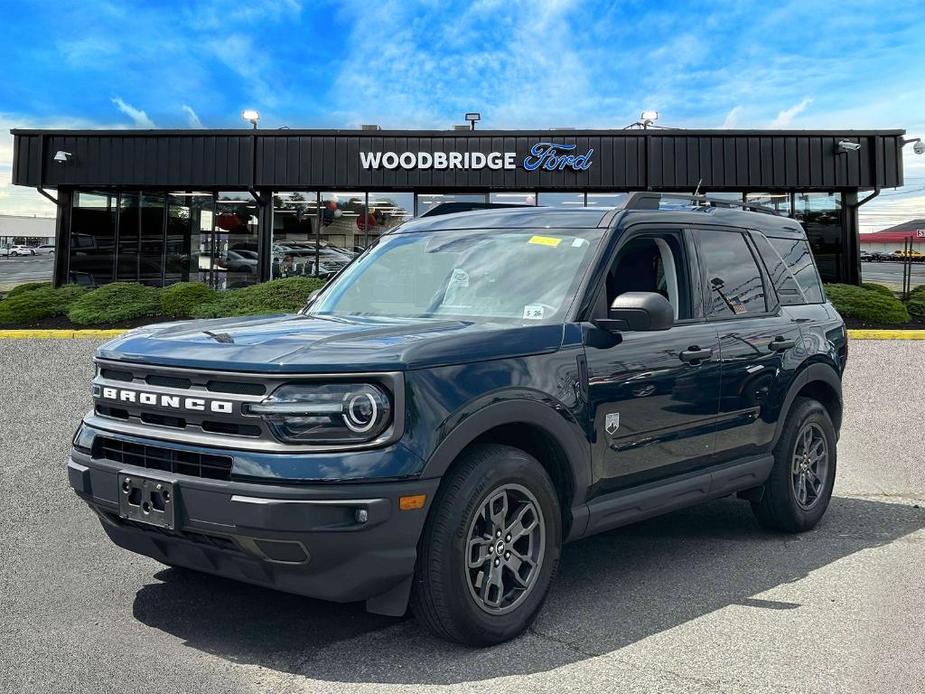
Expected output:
(329, 413)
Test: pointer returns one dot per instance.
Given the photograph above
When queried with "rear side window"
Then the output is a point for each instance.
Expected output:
(799, 258)
(732, 275)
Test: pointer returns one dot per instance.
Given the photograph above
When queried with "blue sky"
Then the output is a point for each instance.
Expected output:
(94, 63)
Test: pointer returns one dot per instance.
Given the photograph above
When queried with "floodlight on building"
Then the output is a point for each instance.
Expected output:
(62, 157)
(917, 145)
(473, 118)
(647, 118)
(251, 116)
(845, 146)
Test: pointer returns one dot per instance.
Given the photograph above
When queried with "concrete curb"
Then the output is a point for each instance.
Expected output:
(56, 334)
(90, 334)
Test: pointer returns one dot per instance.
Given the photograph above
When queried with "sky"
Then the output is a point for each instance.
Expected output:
(423, 64)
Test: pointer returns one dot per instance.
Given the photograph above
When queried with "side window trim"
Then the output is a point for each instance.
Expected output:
(636, 230)
(783, 263)
(771, 308)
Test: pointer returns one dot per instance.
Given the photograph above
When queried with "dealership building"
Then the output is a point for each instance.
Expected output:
(233, 207)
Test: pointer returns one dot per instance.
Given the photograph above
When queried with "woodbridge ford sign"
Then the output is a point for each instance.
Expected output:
(546, 156)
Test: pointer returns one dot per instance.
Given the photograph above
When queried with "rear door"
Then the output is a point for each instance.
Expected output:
(758, 341)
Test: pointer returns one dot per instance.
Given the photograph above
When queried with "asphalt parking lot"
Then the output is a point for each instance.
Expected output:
(22, 269)
(890, 273)
(701, 600)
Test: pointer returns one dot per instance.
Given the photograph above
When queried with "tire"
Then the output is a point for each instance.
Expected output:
(14, 254)
(454, 548)
(787, 505)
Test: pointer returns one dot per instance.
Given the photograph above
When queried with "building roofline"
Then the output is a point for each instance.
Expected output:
(284, 132)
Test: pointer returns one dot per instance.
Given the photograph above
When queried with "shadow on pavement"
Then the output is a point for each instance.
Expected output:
(612, 590)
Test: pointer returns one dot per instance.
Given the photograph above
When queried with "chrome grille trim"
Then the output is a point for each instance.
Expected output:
(193, 432)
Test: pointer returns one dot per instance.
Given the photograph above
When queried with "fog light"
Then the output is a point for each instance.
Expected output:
(362, 515)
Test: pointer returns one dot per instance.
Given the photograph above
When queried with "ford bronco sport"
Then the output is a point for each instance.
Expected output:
(468, 395)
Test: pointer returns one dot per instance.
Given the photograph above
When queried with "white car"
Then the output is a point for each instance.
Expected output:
(17, 250)
(45, 249)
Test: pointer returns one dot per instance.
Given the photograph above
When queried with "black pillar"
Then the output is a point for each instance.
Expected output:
(265, 235)
(850, 238)
(62, 238)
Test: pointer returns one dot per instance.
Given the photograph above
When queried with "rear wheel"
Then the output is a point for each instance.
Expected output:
(798, 490)
(490, 549)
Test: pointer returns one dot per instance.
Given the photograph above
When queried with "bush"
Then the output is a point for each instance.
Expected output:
(115, 303)
(179, 300)
(27, 287)
(916, 306)
(918, 292)
(38, 302)
(866, 305)
(879, 288)
(279, 296)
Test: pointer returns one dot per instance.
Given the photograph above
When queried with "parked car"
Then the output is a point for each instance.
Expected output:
(17, 250)
(480, 389)
(45, 249)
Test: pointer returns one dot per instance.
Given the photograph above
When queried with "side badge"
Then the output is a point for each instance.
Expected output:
(612, 423)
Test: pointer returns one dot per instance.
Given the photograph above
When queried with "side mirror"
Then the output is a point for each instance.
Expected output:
(638, 311)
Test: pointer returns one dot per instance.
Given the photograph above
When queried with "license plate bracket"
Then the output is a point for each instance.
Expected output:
(146, 500)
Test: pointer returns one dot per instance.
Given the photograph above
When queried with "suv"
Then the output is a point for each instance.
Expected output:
(472, 392)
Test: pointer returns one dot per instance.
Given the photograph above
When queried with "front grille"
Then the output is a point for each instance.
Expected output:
(215, 467)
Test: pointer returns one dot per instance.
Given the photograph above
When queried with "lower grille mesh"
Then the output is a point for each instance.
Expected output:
(216, 467)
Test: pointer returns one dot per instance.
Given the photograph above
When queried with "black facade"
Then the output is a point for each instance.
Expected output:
(248, 203)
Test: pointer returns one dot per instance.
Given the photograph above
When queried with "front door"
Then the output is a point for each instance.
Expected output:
(653, 395)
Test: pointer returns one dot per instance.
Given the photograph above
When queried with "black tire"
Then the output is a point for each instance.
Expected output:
(781, 507)
(444, 597)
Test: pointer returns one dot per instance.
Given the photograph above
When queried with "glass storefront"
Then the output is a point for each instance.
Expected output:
(159, 238)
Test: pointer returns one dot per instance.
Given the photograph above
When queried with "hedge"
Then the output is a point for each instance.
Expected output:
(35, 303)
(116, 303)
(879, 288)
(181, 299)
(867, 305)
(279, 296)
(916, 306)
(27, 287)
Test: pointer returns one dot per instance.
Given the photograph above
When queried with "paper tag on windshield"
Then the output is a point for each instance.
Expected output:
(533, 312)
(460, 278)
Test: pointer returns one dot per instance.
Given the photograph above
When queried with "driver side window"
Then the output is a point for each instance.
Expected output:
(652, 263)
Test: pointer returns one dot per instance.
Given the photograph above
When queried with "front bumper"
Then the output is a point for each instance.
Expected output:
(305, 539)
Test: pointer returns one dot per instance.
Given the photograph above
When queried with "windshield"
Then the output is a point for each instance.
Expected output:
(527, 276)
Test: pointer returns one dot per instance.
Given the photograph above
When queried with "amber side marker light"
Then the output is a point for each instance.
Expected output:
(411, 503)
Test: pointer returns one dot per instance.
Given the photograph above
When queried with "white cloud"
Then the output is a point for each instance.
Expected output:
(785, 117)
(732, 118)
(139, 117)
(192, 117)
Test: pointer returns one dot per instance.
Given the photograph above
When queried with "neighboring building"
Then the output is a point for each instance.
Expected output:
(232, 207)
(31, 231)
(892, 239)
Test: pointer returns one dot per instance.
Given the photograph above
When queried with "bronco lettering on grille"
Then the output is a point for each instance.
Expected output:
(172, 402)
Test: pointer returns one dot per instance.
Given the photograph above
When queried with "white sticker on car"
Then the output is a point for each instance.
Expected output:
(533, 312)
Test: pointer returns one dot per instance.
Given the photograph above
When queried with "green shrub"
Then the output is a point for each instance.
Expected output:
(918, 292)
(279, 296)
(916, 306)
(179, 300)
(27, 287)
(879, 288)
(866, 305)
(115, 303)
(38, 302)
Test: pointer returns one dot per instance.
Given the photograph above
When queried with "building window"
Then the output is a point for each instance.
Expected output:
(779, 202)
(513, 198)
(605, 199)
(339, 215)
(92, 238)
(234, 243)
(561, 199)
(152, 245)
(385, 211)
(428, 201)
(821, 216)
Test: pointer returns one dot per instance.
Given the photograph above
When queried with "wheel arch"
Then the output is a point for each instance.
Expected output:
(541, 430)
(821, 382)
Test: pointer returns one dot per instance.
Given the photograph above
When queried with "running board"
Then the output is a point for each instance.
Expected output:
(653, 499)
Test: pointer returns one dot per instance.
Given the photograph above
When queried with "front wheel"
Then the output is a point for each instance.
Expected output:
(490, 548)
(798, 490)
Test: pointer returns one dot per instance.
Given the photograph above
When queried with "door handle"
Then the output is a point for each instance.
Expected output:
(695, 354)
(780, 344)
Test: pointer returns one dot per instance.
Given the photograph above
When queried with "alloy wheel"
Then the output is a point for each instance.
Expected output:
(810, 466)
(505, 548)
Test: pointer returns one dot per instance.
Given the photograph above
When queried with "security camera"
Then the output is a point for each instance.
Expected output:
(846, 146)
(919, 147)
(62, 157)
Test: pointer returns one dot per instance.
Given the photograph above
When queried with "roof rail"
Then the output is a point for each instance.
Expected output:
(650, 201)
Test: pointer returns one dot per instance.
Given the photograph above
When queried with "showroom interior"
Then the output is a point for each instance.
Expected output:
(236, 207)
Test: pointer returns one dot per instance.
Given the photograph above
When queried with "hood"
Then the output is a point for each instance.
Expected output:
(308, 344)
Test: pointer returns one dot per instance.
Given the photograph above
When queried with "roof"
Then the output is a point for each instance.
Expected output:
(914, 228)
(511, 218)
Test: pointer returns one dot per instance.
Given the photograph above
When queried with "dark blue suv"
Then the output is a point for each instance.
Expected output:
(469, 394)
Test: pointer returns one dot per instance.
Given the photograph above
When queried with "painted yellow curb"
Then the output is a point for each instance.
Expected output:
(860, 334)
(56, 334)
